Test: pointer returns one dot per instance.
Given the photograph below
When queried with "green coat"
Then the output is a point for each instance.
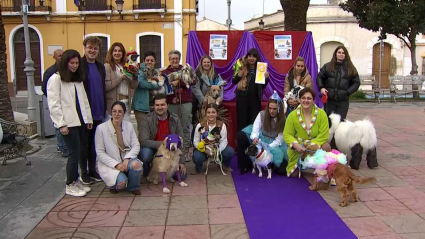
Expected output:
(141, 93)
(294, 132)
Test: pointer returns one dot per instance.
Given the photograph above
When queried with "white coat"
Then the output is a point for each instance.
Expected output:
(62, 102)
(108, 153)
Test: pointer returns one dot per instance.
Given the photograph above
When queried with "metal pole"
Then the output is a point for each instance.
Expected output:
(381, 53)
(263, 8)
(29, 67)
(229, 20)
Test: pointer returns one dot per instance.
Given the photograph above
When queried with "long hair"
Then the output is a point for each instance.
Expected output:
(253, 52)
(211, 72)
(64, 72)
(301, 59)
(281, 118)
(348, 65)
(110, 59)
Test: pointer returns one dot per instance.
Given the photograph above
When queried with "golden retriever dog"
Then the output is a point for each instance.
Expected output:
(166, 162)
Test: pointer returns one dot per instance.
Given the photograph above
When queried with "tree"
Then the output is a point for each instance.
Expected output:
(402, 18)
(6, 112)
(295, 14)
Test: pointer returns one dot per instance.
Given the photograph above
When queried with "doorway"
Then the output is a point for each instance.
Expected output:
(386, 64)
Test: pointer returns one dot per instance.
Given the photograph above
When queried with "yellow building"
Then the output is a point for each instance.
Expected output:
(145, 25)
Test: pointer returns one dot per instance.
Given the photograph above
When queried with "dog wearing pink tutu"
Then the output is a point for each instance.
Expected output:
(328, 165)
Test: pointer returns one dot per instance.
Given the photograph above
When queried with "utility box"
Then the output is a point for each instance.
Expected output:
(45, 126)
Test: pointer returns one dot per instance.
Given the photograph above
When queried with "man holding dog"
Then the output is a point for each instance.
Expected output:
(156, 126)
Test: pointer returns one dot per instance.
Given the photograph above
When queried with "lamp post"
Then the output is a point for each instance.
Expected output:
(229, 20)
(261, 24)
(29, 66)
(120, 4)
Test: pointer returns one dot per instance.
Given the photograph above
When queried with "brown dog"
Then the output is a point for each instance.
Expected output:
(242, 84)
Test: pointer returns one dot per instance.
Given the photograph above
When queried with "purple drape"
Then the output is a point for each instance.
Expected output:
(277, 80)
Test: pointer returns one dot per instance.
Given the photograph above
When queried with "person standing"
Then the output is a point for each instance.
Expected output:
(95, 88)
(57, 54)
(338, 79)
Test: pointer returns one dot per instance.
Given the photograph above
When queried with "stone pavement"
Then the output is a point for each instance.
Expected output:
(393, 207)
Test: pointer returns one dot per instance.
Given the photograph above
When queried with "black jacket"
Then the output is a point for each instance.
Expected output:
(101, 69)
(251, 80)
(339, 85)
(46, 76)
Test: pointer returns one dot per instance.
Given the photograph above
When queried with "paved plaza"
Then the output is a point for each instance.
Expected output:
(33, 205)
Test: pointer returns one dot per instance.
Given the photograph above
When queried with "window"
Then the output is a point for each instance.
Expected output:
(423, 66)
(94, 5)
(103, 50)
(151, 43)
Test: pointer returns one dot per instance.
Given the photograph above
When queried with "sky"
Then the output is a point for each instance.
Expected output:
(241, 10)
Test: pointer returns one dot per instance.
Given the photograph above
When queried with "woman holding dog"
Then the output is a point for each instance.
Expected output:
(226, 151)
(248, 93)
(117, 148)
(297, 76)
(117, 85)
(267, 128)
(338, 80)
(307, 125)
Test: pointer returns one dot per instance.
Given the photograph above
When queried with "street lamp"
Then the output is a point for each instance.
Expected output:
(120, 4)
(261, 23)
(29, 66)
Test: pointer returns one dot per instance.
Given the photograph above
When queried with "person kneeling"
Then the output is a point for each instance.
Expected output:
(117, 148)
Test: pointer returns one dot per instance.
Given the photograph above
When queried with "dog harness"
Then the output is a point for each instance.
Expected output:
(330, 170)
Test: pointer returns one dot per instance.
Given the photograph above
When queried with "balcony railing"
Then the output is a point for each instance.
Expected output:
(149, 4)
(33, 6)
(95, 5)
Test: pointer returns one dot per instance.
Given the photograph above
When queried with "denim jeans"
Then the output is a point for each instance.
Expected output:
(74, 140)
(199, 157)
(59, 138)
(132, 176)
(146, 156)
(89, 153)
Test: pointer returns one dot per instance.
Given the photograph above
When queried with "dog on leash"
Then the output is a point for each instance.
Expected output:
(166, 162)
(211, 148)
(261, 158)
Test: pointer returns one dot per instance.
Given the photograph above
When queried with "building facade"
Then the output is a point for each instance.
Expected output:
(209, 25)
(331, 26)
(144, 25)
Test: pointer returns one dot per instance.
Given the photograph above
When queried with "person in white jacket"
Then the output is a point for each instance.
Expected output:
(71, 114)
(117, 148)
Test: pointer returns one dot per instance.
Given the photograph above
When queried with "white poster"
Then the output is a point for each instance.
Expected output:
(283, 47)
(218, 47)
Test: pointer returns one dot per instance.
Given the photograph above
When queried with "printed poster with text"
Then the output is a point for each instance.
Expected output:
(218, 47)
(283, 47)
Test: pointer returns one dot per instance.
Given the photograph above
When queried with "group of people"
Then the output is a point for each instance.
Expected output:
(90, 105)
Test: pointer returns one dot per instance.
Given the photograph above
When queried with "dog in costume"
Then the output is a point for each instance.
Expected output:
(210, 141)
(131, 64)
(354, 139)
(292, 94)
(261, 158)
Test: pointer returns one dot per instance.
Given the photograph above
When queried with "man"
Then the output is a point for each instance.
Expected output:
(57, 54)
(95, 89)
(156, 126)
(181, 100)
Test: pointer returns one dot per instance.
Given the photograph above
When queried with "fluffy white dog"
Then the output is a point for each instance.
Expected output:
(354, 139)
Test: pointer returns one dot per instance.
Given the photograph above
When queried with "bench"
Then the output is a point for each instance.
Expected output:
(369, 86)
(17, 149)
(406, 85)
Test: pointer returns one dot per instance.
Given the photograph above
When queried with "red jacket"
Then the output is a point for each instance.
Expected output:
(186, 94)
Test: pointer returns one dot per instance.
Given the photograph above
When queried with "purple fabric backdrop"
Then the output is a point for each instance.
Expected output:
(277, 81)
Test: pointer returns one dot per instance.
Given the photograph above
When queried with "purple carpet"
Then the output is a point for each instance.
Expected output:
(284, 207)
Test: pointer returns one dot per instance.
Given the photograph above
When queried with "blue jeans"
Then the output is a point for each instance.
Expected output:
(59, 138)
(199, 157)
(132, 177)
(146, 156)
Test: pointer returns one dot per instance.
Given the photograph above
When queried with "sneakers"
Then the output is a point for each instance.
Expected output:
(58, 150)
(86, 179)
(333, 182)
(81, 186)
(64, 153)
(95, 176)
(73, 190)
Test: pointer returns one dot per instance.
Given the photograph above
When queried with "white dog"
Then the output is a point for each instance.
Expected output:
(354, 139)
(261, 158)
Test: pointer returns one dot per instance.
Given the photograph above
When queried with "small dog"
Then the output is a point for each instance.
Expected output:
(261, 158)
(186, 75)
(242, 84)
(166, 162)
(211, 143)
(276, 53)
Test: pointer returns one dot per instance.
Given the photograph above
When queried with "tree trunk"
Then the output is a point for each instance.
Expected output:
(6, 112)
(414, 70)
(295, 14)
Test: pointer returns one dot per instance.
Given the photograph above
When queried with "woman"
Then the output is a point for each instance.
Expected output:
(297, 76)
(117, 148)
(267, 127)
(71, 114)
(227, 152)
(117, 85)
(249, 95)
(338, 79)
(306, 125)
(141, 97)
